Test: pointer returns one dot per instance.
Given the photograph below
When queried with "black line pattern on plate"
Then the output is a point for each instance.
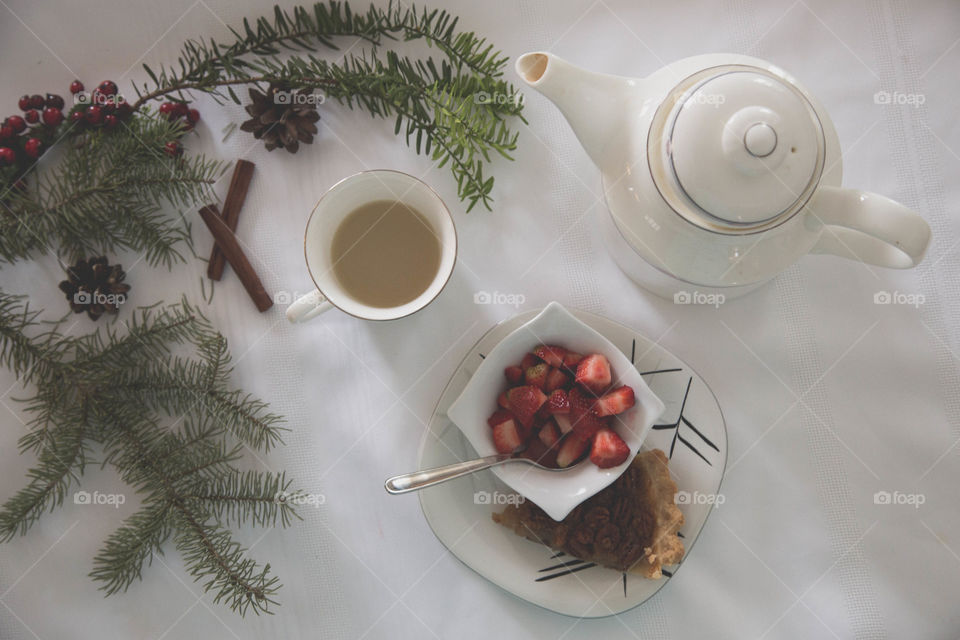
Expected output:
(677, 436)
(566, 572)
(563, 565)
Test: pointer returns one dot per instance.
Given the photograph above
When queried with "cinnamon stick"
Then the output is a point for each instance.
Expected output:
(236, 194)
(234, 254)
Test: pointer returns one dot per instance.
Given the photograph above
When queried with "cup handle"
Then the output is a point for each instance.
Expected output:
(869, 227)
(307, 307)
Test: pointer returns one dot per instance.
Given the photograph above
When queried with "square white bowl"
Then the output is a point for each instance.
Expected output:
(557, 493)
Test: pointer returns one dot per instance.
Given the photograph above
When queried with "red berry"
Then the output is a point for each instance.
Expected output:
(32, 147)
(92, 114)
(609, 449)
(110, 121)
(52, 116)
(53, 100)
(193, 116)
(172, 149)
(108, 87)
(36, 101)
(76, 87)
(24, 102)
(180, 109)
(97, 97)
(76, 117)
(17, 123)
(32, 116)
(6, 131)
(166, 108)
(124, 110)
(7, 156)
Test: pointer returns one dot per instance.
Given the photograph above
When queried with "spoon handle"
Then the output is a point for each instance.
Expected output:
(429, 477)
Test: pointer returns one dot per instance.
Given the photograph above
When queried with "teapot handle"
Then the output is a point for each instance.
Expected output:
(868, 227)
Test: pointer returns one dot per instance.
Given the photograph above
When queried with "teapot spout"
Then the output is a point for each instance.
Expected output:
(593, 103)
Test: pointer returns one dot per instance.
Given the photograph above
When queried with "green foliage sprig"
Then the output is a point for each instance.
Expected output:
(456, 110)
(171, 427)
(106, 193)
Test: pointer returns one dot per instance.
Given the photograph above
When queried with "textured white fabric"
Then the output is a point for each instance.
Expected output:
(829, 398)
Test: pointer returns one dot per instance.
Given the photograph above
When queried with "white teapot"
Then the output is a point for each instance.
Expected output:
(719, 172)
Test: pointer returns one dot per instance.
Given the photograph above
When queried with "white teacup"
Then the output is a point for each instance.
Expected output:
(342, 199)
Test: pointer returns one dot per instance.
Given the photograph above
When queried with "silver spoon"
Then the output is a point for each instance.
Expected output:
(429, 477)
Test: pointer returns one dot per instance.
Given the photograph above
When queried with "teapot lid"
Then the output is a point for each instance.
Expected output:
(743, 148)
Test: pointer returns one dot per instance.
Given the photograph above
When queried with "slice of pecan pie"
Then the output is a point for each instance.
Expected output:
(630, 526)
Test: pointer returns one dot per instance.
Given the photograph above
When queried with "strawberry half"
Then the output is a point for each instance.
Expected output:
(593, 372)
(537, 375)
(514, 375)
(499, 416)
(553, 356)
(609, 449)
(549, 434)
(525, 401)
(571, 448)
(556, 379)
(563, 422)
(540, 453)
(506, 438)
(502, 400)
(570, 360)
(617, 401)
(584, 420)
(558, 402)
(528, 361)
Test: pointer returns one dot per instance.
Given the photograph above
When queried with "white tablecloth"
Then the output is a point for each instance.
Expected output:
(829, 398)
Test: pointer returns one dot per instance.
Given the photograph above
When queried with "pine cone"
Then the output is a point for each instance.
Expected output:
(281, 118)
(95, 286)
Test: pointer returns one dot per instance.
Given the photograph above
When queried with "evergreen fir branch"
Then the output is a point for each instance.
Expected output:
(456, 110)
(253, 496)
(62, 454)
(170, 425)
(214, 557)
(109, 192)
(120, 562)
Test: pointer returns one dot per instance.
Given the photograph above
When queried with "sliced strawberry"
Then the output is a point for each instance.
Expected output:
(502, 400)
(549, 434)
(514, 375)
(584, 420)
(506, 438)
(528, 361)
(537, 375)
(609, 449)
(570, 360)
(593, 372)
(563, 422)
(556, 379)
(572, 447)
(542, 415)
(499, 416)
(617, 401)
(553, 356)
(540, 453)
(525, 401)
(558, 402)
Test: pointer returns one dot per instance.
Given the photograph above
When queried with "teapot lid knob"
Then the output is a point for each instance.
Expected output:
(760, 140)
(742, 147)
